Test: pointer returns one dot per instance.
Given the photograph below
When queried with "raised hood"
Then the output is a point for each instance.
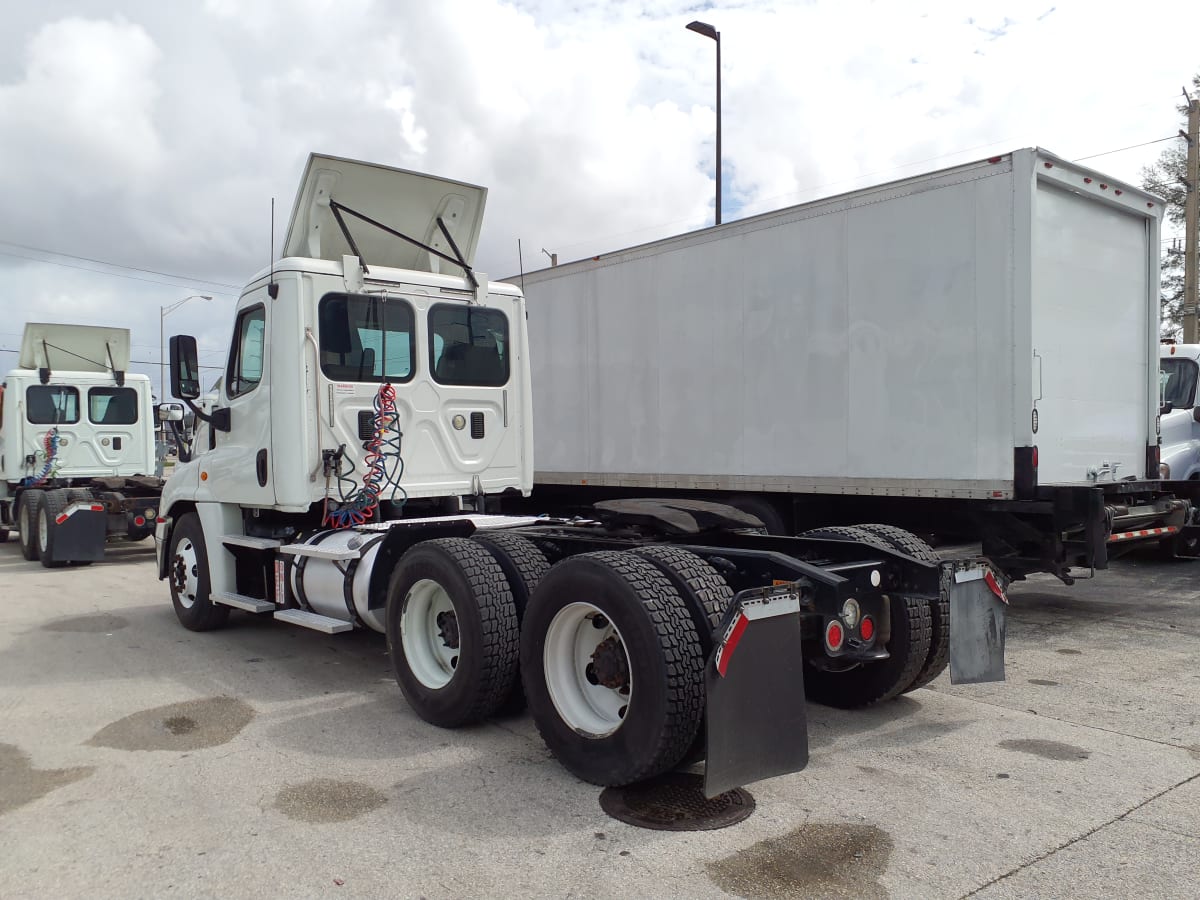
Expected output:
(407, 202)
(74, 348)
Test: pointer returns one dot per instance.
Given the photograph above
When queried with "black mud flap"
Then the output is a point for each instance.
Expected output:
(756, 719)
(978, 621)
(79, 535)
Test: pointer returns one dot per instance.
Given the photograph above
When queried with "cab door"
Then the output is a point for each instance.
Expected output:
(238, 468)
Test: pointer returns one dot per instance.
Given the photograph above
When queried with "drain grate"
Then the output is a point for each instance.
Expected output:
(676, 802)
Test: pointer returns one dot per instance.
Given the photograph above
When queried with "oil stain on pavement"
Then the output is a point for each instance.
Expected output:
(810, 861)
(326, 800)
(21, 783)
(99, 623)
(191, 725)
(1046, 749)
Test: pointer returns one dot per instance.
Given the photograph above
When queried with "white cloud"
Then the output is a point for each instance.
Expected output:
(156, 137)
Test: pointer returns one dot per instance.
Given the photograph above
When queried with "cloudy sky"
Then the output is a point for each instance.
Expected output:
(141, 142)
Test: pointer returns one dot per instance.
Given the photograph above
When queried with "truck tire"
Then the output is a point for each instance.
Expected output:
(908, 646)
(187, 573)
(452, 631)
(53, 503)
(764, 510)
(27, 507)
(706, 593)
(939, 611)
(612, 669)
(524, 566)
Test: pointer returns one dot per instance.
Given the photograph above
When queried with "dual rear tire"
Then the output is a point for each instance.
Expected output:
(607, 647)
(919, 642)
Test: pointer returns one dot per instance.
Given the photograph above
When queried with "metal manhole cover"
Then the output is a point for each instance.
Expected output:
(676, 802)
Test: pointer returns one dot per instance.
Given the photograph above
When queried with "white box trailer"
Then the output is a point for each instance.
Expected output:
(969, 353)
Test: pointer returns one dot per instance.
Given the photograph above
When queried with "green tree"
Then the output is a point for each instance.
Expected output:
(1167, 178)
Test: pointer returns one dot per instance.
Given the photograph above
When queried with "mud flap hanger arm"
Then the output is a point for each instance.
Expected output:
(337, 209)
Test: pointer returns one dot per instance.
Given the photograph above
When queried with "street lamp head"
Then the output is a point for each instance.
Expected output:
(705, 29)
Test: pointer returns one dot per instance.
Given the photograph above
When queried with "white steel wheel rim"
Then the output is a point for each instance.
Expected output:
(592, 710)
(43, 528)
(186, 555)
(431, 659)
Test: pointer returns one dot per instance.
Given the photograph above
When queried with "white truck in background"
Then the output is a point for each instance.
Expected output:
(968, 354)
(76, 445)
(375, 405)
(1179, 366)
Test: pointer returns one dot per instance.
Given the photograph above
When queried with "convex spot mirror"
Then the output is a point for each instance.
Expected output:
(170, 412)
(185, 369)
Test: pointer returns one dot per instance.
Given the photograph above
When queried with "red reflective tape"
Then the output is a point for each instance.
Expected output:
(994, 585)
(1144, 532)
(730, 644)
(97, 507)
(60, 518)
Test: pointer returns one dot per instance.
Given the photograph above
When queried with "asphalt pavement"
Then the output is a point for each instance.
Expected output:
(138, 759)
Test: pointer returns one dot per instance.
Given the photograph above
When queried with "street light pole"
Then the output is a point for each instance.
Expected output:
(709, 32)
(163, 312)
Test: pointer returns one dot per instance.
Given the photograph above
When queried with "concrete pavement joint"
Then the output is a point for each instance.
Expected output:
(1078, 838)
(1062, 721)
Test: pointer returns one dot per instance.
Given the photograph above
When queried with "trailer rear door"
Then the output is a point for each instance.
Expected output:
(1094, 322)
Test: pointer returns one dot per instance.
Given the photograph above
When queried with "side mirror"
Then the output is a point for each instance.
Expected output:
(185, 367)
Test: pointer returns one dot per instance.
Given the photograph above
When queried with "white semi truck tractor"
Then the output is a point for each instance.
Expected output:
(76, 445)
(375, 406)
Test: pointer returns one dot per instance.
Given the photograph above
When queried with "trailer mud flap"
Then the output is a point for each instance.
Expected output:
(756, 720)
(79, 534)
(977, 626)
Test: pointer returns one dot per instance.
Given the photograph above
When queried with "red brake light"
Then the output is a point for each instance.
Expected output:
(867, 628)
(834, 635)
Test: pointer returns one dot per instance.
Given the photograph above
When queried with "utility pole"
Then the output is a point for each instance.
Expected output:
(1191, 208)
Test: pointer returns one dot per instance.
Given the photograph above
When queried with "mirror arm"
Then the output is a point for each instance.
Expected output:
(218, 418)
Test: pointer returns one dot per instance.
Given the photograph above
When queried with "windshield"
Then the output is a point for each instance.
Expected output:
(1177, 381)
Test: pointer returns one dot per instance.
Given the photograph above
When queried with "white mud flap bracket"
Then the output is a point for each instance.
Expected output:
(755, 717)
(978, 605)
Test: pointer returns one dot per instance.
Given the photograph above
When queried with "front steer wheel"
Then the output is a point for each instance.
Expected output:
(187, 572)
(452, 631)
(612, 668)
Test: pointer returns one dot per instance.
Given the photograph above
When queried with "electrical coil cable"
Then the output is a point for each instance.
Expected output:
(50, 452)
(383, 468)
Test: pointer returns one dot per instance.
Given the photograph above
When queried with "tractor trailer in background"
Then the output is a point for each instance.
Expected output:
(376, 403)
(76, 445)
(970, 355)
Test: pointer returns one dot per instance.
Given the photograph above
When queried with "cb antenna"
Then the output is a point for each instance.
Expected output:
(521, 263)
(272, 287)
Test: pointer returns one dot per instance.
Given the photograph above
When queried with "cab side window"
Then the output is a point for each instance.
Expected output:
(246, 357)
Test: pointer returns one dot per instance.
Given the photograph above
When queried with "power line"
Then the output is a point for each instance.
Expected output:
(1169, 137)
(51, 262)
(139, 362)
(105, 262)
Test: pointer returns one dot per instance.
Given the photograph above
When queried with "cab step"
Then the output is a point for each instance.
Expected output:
(246, 540)
(306, 619)
(318, 552)
(240, 601)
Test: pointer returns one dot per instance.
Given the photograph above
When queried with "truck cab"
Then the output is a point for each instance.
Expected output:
(1179, 371)
(348, 316)
(76, 427)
